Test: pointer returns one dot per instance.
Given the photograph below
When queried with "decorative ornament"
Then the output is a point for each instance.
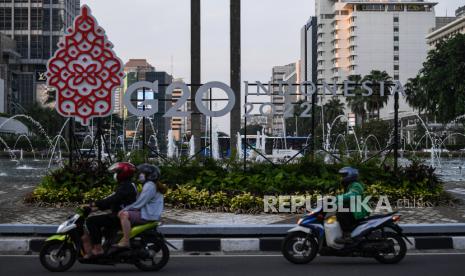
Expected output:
(85, 71)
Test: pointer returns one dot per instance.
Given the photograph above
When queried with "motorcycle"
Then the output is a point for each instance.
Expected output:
(148, 247)
(378, 237)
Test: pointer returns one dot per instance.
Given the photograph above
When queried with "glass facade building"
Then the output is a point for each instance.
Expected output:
(36, 26)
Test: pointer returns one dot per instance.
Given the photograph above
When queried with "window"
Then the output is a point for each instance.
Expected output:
(345, 12)
(5, 19)
(395, 7)
(396, 29)
(55, 40)
(57, 20)
(396, 58)
(46, 47)
(396, 38)
(46, 20)
(22, 45)
(36, 19)
(396, 67)
(36, 47)
(396, 48)
(411, 7)
(370, 7)
(396, 19)
(396, 77)
(21, 18)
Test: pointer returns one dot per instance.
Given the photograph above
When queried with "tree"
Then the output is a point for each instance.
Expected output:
(357, 102)
(333, 108)
(439, 88)
(377, 101)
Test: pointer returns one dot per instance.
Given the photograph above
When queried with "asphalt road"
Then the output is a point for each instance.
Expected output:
(431, 264)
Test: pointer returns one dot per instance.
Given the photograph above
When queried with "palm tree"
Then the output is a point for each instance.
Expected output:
(377, 101)
(333, 108)
(357, 102)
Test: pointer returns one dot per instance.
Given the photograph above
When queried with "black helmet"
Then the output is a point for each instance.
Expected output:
(152, 172)
(349, 174)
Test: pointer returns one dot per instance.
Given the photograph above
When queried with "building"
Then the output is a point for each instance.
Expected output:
(355, 37)
(36, 26)
(135, 70)
(140, 70)
(281, 94)
(446, 31)
(8, 70)
(308, 52)
(442, 21)
(180, 125)
(460, 11)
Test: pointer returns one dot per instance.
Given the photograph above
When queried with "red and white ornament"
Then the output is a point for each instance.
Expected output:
(85, 71)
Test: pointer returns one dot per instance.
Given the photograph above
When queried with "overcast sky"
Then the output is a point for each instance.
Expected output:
(159, 31)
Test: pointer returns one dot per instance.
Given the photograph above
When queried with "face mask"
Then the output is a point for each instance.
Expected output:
(115, 176)
(141, 177)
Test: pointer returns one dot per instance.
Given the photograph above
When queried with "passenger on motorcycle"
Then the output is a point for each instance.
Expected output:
(148, 206)
(352, 188)
(124, 195)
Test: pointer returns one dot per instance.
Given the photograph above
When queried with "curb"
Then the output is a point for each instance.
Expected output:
(33, 245)
(237, 230)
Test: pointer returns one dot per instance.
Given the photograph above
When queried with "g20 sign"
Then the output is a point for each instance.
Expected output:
(85, 71)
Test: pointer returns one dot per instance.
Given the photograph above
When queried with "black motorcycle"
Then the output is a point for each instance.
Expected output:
(148, 247)
(377, 237)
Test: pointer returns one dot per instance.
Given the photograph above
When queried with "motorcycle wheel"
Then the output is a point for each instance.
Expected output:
(297, 249)
(159, 256)
(400, 249)
(56, 260)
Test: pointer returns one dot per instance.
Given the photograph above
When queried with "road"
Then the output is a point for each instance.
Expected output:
(430, 264)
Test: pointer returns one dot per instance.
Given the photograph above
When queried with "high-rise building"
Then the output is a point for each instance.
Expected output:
(282, 93)
(36, 26)
(140, 70)
(308, 51)
(355, 37)
(448, 30)
(8, 69)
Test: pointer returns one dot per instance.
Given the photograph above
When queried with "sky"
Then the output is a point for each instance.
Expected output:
(159, 31)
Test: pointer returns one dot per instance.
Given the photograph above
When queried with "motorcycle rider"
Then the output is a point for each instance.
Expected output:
(125, 194)
(148, 206)
(352, 188)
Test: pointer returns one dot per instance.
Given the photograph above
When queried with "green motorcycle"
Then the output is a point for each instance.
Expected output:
(148, 247)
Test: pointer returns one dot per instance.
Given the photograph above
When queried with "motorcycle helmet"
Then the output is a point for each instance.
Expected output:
(122, 170)
(348, 174)
(151, 172)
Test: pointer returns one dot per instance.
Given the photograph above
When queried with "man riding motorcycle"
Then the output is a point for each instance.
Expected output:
(124, 195)
(352, 189)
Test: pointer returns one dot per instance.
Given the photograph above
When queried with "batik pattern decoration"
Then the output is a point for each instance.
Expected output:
(84, 71)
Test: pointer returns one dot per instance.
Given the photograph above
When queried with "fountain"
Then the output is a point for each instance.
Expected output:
(192, 147)
(240, 153)
(10, 152)
(171, 144)
(215, 145)
(34, 122)
(30, 145)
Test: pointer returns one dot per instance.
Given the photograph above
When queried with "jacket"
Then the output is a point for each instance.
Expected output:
(150, 202)
(355, 189)
(124, 195)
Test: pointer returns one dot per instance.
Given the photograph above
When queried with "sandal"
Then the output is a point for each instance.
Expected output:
(120, 245)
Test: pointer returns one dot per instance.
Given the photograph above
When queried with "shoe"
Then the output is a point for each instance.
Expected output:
(344, 240)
